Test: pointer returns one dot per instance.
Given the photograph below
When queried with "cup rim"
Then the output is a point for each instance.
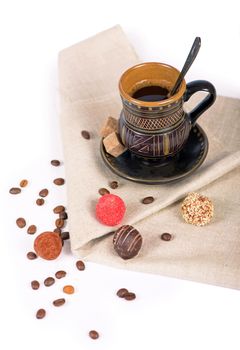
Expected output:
(167, 101)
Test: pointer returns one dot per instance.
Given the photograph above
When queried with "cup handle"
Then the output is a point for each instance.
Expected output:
(200, 85)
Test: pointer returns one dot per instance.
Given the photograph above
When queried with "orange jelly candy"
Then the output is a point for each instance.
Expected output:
(68, 289)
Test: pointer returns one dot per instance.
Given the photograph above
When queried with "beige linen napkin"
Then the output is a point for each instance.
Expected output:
(88, 82)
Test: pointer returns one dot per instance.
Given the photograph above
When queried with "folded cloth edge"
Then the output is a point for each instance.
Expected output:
(232, 161)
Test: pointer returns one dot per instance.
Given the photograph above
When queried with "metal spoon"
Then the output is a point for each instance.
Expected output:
(189, 61)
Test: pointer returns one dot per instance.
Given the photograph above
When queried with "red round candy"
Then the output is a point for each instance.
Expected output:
(110, 209)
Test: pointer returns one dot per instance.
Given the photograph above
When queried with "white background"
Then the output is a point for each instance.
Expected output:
(167, 314)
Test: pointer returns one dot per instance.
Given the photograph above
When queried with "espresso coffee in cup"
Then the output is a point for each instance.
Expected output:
(151, 93)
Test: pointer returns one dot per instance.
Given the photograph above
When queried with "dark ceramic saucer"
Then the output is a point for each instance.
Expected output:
(153, 172)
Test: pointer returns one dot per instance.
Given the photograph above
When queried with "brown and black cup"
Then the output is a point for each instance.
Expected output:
(152, 124)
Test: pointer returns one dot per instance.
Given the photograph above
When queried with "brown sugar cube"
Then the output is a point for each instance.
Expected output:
(110, 125)
(113, 145)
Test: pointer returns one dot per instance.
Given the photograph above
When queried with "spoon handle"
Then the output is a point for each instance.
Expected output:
(191, 57)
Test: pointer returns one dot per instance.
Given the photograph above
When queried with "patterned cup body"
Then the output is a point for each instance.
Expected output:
(160, 128)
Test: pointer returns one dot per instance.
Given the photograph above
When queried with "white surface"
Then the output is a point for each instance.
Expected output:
(168, 314)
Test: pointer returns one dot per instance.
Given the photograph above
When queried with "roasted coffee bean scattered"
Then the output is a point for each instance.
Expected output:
(93, 334)
(113, 185)
(21, 222)
(65, 235)
(166, 236)
(48, 245)
(43, 192)
(57, 230)
(63, 215)
(127, 241)
(103, 191)
(147, 200)
(60, 274)
(59, 223)
(55, 162)
(41, 313)
(23, 183)
(59, 181)
(32, 229)
(31, 255)
(59, 302)
(122, 292)
(130, 296)
(68, 289)
(59, 209)
(40, 201)
(35, 285)
(15, 190)
(80, 265)
(49, 281)
(85, 134)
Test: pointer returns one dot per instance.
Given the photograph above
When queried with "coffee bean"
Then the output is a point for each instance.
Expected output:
(59, 181)
(43, 193)
(68, 289)
(65, 235)
(147, 200)
(21, 222)
(35, 285)
(59, 223)
(32, 229)
(55, 162)
(122, 292)
(59, 209)
(40, 201)
(15, 190)
(166, 236)
(59, 302)
(80, 265)
(103, 191)
(41, 313)
(23, 183)
(113, 184)
(31, 256)
(60, 274)
(63, 215)
(130, 296)
(58, 230)
(93, 334)
(85, 134)
(49, 281)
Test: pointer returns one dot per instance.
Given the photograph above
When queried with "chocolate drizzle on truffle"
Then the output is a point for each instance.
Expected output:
(127, 241)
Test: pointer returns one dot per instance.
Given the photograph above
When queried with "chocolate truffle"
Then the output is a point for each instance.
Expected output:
(197, 209)
(127, 242)
(48, 245)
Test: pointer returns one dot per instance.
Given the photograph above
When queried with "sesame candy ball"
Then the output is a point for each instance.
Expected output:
(197, 209)
(110, 209)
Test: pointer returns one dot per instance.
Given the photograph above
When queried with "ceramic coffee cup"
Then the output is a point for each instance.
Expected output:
(160, 128)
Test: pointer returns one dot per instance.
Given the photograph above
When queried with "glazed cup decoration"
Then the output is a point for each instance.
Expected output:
(158, 129)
